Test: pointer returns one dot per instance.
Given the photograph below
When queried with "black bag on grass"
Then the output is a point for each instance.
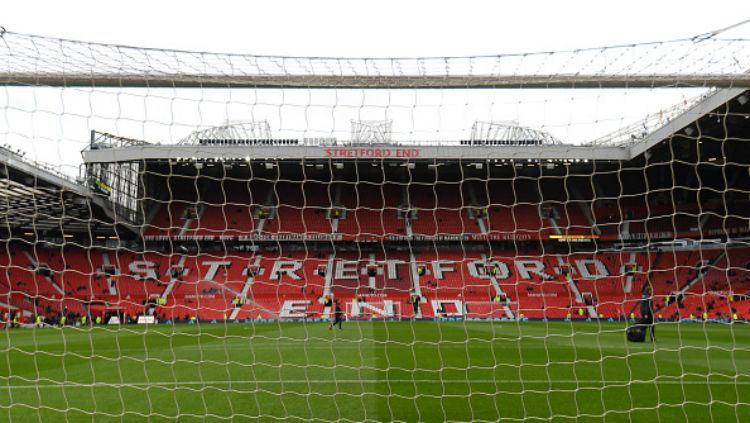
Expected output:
(636, 333)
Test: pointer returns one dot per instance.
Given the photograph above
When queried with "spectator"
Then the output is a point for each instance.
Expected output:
(414, 300)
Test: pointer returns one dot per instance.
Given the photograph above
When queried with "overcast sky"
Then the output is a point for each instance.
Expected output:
(382, 28)
(377, 28)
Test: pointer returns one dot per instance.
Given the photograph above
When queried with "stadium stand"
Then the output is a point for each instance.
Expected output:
(539, 286)
(502, 238)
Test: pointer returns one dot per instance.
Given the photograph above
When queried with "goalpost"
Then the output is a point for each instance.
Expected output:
(523, 201)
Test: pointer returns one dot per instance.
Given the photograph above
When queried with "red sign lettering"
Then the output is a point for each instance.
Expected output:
(369, 153)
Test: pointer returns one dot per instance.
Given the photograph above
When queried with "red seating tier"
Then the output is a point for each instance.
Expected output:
(209, 283)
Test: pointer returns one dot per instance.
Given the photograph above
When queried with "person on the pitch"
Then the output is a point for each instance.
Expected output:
(647, 311)
(338, 315)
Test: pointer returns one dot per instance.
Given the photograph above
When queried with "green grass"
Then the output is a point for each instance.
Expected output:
(376, 371)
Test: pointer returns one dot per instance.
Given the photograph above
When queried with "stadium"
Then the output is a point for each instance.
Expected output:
(485, 277)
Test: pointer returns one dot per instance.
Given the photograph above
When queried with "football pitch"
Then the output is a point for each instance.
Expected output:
(376, 371)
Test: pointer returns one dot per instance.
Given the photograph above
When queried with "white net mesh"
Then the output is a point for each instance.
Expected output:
(404, 239)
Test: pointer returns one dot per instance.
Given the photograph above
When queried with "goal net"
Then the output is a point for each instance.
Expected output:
(192, 235)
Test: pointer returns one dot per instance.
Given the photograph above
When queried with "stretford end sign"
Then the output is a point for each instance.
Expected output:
(376, 153)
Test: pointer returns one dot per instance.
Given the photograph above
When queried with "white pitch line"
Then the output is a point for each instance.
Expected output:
(209, 383)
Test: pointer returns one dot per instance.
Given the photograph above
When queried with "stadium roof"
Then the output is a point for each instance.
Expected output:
(35, 199)
(286, 150)
(488, 141)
